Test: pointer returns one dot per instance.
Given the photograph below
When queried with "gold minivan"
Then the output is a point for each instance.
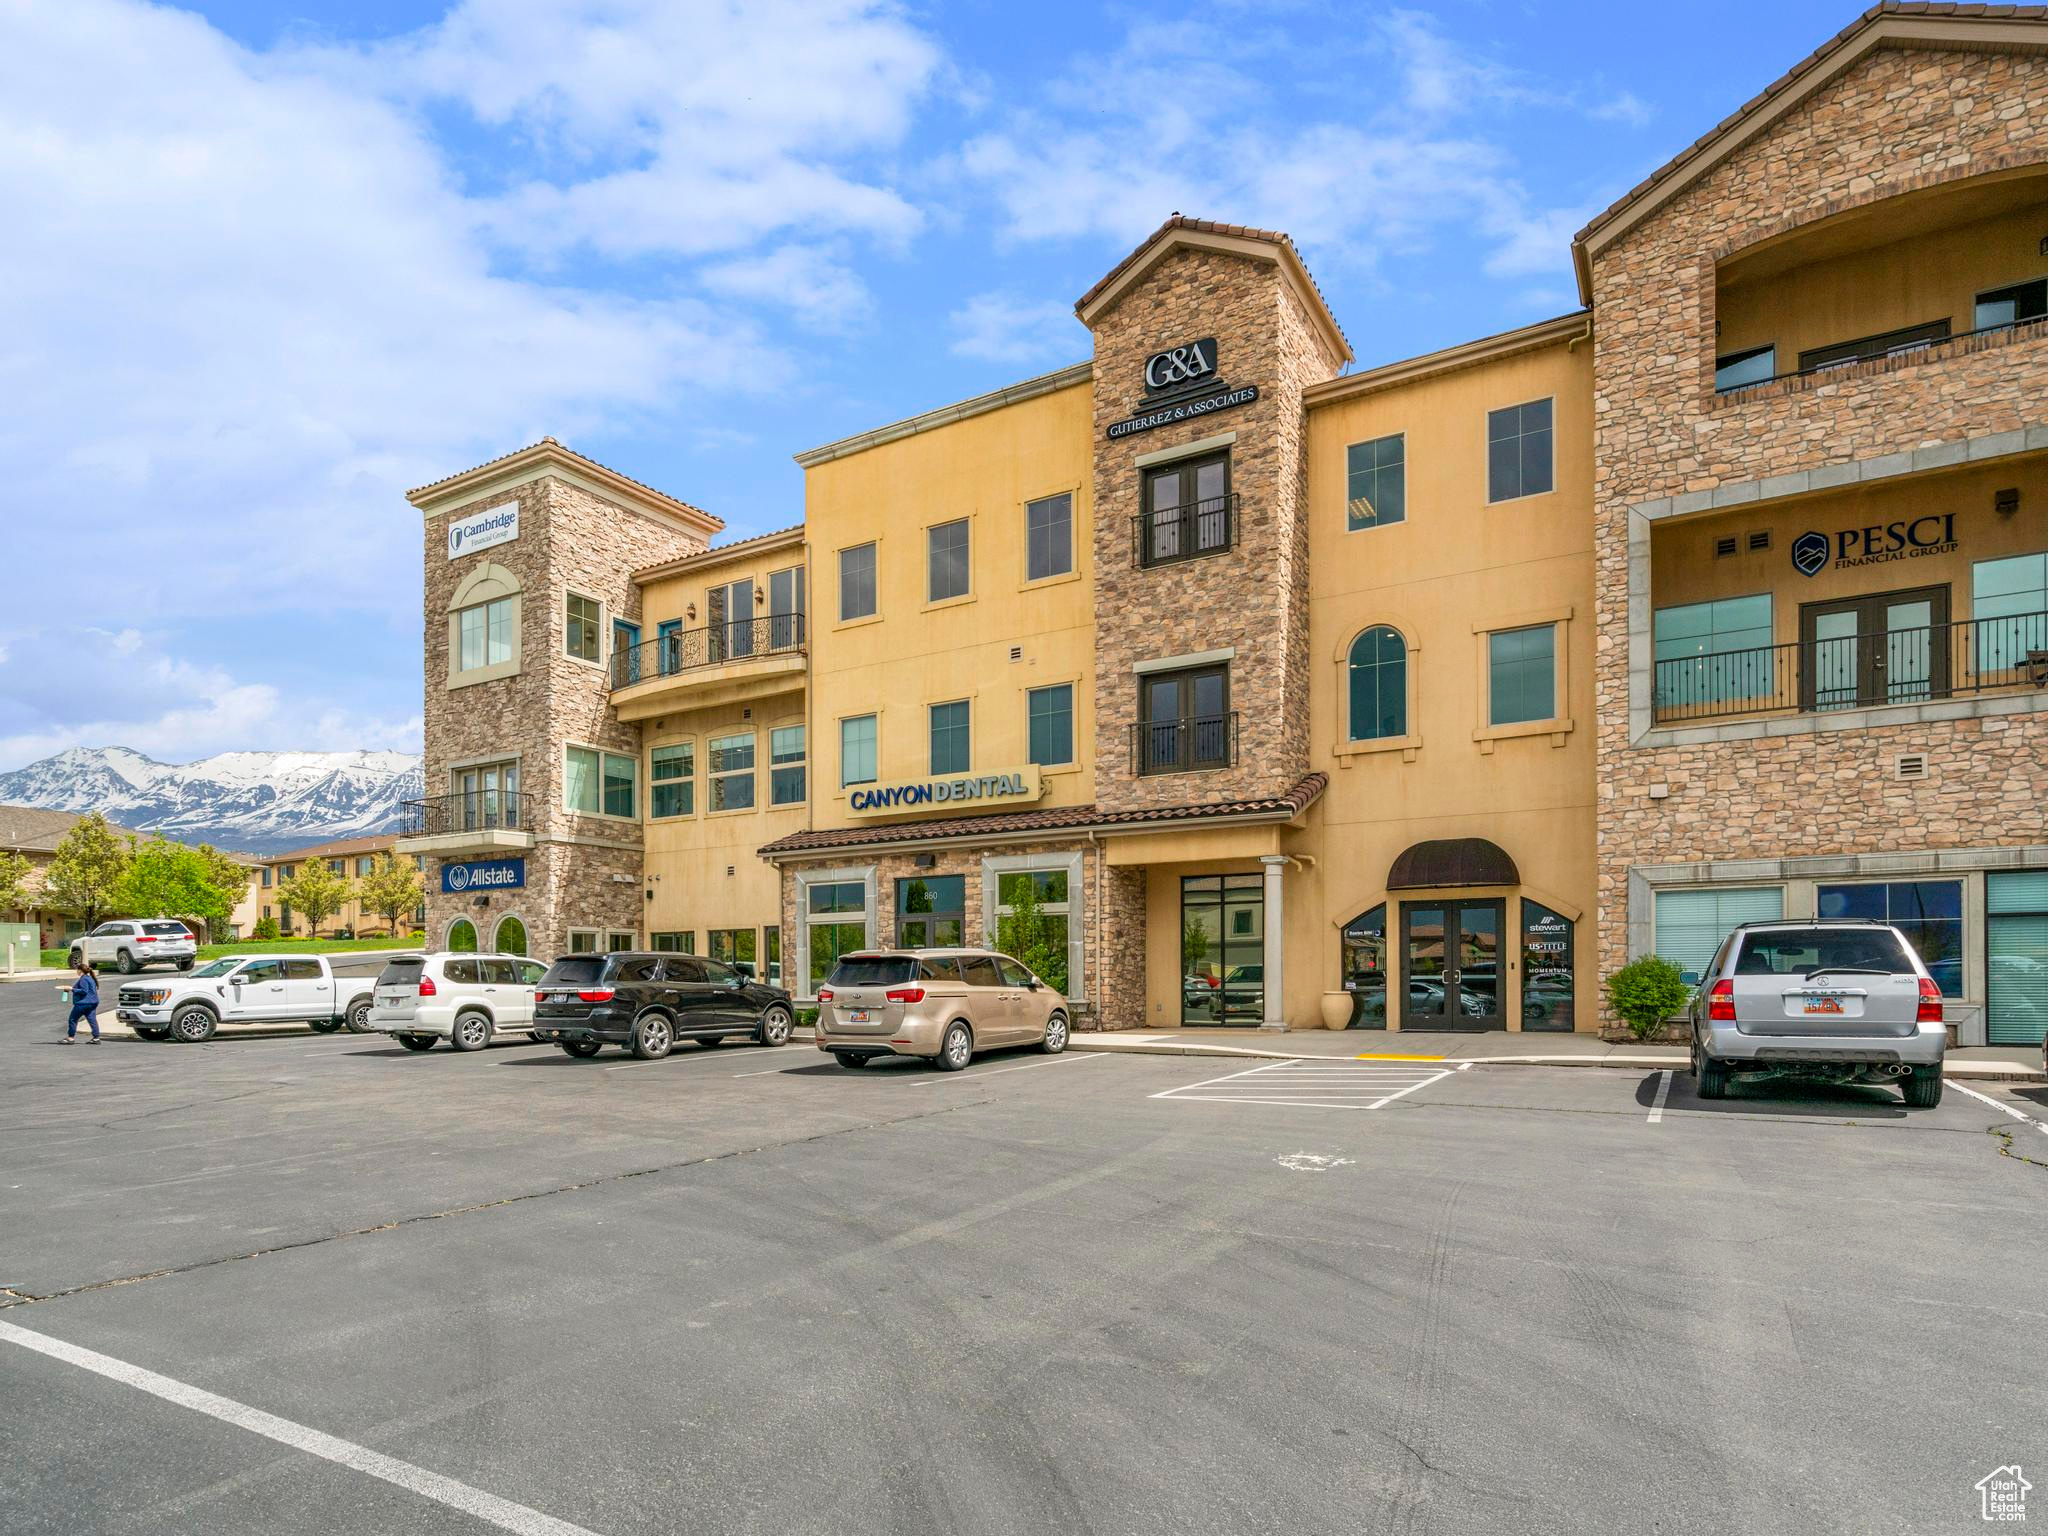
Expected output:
(944, 1004)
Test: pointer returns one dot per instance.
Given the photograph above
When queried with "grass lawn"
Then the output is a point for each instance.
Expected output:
(59, 957)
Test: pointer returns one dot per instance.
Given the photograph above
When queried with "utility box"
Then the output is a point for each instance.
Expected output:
(20, 947)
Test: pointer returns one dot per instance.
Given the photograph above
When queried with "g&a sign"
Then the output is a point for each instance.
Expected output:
(1010, 790)
(497, 525)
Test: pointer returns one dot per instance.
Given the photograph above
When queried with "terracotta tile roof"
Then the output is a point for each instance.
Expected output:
(715, 553)
(1791, 78)
(552, 445)
(340, 848)
(1067, 818)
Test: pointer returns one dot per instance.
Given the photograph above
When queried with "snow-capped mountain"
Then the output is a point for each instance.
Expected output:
(253, 802)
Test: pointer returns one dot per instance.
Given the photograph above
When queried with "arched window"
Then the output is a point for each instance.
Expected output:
(510, 939)
(462, 936)
(1379, 685)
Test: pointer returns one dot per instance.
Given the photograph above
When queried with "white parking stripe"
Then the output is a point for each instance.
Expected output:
(2003, 1109)
(1663, 1093)
(502, 1513)
(962, 1077)
(1314, 1084)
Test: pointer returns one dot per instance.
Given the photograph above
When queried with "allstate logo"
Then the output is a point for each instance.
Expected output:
(458, 878)
(1810, 553)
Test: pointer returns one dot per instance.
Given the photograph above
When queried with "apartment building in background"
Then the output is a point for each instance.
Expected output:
(350, 858)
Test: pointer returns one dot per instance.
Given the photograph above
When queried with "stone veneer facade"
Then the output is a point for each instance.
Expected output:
(1896, 122)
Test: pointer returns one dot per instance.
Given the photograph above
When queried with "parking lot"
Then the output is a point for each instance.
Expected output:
(323, 1284)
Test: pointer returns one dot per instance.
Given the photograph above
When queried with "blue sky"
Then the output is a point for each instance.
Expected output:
(271, 264)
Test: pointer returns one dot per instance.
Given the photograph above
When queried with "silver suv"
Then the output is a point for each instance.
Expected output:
(944, 1004)
(131, 943)
(469, 1000)
(1843, 1002)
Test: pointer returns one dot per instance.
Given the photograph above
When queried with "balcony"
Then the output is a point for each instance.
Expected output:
(1169, 535)
(726, 663)
(1191, 744)
(479, 821)
(1863, 670)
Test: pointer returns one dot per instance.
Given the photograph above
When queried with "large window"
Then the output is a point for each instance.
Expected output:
(599, 783)
(951, 749)
(1548, 972)
(1376, 482)
(1739, 370)
(1714, 653)
(672, 775)
(1690, 925)
(1188, 511)
(786, 765)
(1050, 712)
(486, 634)
(1184, 721)
(732, 946)
(583, 631)
(1518, 451)
(1032, 922)
(947, 572)
(835, 924)
(931, 911)
(2016, 957)
(1048, 536)
(677, 942)
(1222, 949)
(786, 607)
(2009, 306)
(1378, 677)
(2009, 602)
(1928, 912)
(857, 582)
(1367, 966)
(729, 760)
(857, 751)
(1522, 674)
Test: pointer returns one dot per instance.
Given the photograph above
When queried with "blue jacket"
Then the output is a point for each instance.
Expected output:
(85, 991)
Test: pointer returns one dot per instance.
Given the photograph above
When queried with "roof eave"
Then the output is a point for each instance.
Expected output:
(547, 453)
(744, 549)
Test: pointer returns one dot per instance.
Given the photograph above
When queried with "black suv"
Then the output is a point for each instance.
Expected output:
(648, 1002)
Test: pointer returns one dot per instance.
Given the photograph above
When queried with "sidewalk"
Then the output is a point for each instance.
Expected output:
(1498, 1048)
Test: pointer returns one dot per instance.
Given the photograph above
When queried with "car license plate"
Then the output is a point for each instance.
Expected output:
(856, 1016)
(1829, 1005)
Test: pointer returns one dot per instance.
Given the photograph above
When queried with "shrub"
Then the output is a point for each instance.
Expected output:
(1646, 992)
(807, 1017)
(266, 928)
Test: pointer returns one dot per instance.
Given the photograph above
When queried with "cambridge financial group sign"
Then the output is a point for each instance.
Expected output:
(498, 525)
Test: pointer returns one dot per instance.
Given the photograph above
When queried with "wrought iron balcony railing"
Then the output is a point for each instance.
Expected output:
(1186, 745)
(687, 650)
(1169, 534)
(476, 810)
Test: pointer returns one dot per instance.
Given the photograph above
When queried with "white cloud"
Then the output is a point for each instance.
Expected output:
(820, 290)
(1002, 328)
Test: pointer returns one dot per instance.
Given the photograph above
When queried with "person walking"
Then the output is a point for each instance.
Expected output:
(85, 1003)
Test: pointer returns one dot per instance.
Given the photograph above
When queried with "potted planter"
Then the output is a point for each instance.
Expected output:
(1337, 1010)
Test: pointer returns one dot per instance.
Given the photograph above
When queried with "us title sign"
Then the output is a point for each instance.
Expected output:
(1182, 384)
(1006, 791)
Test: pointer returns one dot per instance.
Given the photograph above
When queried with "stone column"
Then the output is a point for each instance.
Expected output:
(1275, 919)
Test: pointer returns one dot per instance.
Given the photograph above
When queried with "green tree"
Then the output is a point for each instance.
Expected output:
(315, 892)
(84, 877)
(391, 889)
(167, 879)
(13, 880)
(1029, 934)
(231, 876)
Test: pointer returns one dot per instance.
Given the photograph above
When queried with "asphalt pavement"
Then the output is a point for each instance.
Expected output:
(320, 1284)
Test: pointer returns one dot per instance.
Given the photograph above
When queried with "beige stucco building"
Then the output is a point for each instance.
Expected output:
(1414, 696)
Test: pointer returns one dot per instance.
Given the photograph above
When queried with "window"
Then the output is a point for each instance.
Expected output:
(729, 610)
(510, 938)
(731, 946)
(364, 864)
(2010, 306)
(672, 777)
(462, 936)
(337, 866)
(1187, 511)
(786, 607)
(1378, 675)
(1185, 721)
(1912, 338)
(857, 750)
(1928, 912)
(951, 750)
(1738, 370)
(485, 634)
(1690, 925)
(2009, 601)
(946, 549)
(2016, 957)
(1049, 536)
(1522, 674)
(286, 871)
(677, 942)
(583, 941)
(1050, 717)
(857, 582)
(1714, 653)
(1549, 993)
(284, 918)
(266, 880)
(584, 635)
(617, 940)
(786, 765)
(1365, 965)
(931, 912)
(1040, 934)
(1376, 482)
(1518, 451)
(599, 783)
(835, 924)
(730, 761)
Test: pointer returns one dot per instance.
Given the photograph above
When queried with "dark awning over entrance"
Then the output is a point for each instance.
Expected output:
(1453, 861)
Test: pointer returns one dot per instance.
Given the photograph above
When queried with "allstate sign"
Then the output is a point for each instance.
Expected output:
(483, 875)
(498, 525)
(973, 792)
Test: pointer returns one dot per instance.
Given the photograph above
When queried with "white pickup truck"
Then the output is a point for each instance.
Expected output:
(246, 989)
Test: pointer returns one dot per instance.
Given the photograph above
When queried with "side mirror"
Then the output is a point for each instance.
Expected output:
(1033, 984)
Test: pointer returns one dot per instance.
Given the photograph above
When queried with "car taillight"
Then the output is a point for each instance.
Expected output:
(824, 994)
(1721, 1000)
(145, 938)
(427, 987)
(596, 995)
(1930, 1003)
(905, 995)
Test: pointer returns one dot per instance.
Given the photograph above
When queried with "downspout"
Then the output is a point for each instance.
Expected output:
(1585, 335)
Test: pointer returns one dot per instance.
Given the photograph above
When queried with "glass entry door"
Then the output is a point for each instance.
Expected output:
(1888, 649)
(1222, 949)
(1452, 970)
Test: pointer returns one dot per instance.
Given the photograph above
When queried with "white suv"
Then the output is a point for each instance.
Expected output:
(131, 943)
(468, 1000)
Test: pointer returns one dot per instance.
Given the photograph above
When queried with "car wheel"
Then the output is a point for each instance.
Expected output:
(583, 1048)
(849, 1060)
(957, 1049)
(1055, 1039)
(184, 965)
(358, 1016)
(652, 1037)
(417, 1042)
(1710, 1077)
(472, 1032)
(776, 1023)
(194, 1024)
(323, 1026)
(152, 1031)
(1923, 1089)
(125, 963)
(77, 958)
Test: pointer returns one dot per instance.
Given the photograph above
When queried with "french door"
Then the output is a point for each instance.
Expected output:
(1890, 648)
(1452, 967)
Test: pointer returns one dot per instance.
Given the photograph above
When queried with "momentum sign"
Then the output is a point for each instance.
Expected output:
(483, 875)
(1004, 791)
(498, 525)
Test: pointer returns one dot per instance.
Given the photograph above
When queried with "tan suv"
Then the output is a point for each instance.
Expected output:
(945, 1004)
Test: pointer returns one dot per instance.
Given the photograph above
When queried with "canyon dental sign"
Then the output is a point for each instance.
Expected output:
(496, 525)
(996, 791)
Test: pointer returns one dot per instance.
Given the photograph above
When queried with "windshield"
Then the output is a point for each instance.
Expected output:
(576, 971)
(401, 973)
(217, 967)
(871, 971)
(1803, 951)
